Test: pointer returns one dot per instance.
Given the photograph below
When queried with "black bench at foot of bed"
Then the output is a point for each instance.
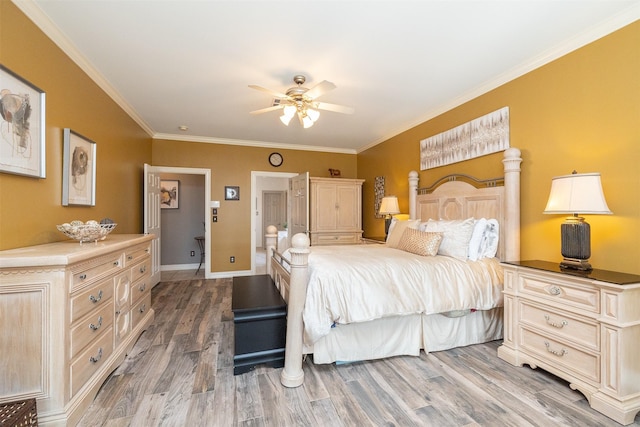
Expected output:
(260, 323)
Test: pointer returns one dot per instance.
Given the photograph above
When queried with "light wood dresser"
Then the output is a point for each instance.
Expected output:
(582, 327)
(335, 215)
(69, 313)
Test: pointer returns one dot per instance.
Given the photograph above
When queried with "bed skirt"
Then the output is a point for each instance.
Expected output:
(406, 335)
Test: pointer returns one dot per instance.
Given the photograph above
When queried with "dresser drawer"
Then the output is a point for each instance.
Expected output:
(569, 327)
(136, 253)
(561, 292)
(91, 299)
(561, 354)
(86, 273)
(335, 238)
(140, 289)
(89, 328)
(140, 309)
(140, 270)
(90, 360)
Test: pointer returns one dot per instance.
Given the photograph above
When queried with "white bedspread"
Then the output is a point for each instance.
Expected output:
(357, 283)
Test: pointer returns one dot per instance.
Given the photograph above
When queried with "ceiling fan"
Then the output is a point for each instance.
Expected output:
(301, 101)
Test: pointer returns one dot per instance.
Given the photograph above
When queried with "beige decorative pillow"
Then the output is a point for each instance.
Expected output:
(418, 242)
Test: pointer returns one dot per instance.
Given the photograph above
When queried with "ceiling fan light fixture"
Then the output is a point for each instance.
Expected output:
(287, 114)
(307, 122)
(313, 114)
(285, 119)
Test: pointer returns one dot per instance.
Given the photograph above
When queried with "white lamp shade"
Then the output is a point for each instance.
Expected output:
(578, 193)
(389, 206)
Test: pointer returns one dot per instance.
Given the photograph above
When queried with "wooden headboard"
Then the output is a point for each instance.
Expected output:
(462, 196)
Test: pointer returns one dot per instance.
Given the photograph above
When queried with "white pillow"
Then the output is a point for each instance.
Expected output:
(476, 239)
(396, 229)
(456, 236)
(490, 238)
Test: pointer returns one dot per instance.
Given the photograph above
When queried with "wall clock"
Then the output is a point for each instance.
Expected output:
(275, 159)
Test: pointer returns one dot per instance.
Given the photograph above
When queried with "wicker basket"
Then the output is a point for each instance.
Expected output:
(19, 414)
(91, 231)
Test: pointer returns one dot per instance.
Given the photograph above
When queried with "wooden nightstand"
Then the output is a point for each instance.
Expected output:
(582, 327)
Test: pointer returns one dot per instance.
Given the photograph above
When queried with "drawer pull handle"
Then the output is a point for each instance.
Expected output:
(555, 324)
(555, 290)
(83, 276)
(97, 358)
(94, 299)
(143, 287)
(96, 327)
(130, 257)
(143, 269)
(116, 263)
(143, 308)
(556, 352)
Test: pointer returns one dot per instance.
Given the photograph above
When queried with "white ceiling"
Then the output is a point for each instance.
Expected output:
(397, 63)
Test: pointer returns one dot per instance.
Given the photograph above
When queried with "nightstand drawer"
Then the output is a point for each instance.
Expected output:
(562, 355)
(557, 323)
(561, 292)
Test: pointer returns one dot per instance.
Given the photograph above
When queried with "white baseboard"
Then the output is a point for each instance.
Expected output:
(175, 267)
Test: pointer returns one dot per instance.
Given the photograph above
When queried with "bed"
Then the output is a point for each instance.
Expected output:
(363, 302)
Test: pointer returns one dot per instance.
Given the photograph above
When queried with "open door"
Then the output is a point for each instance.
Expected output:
(152, 224)
(299, 193)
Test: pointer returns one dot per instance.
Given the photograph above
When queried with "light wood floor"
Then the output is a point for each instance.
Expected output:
(180, 373)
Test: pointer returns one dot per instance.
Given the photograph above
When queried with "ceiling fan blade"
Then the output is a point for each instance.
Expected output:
(269, 91)
(334, 107)
(266, 110)
(319, 89)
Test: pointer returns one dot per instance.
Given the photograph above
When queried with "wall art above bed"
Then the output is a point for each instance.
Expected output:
(479, 137)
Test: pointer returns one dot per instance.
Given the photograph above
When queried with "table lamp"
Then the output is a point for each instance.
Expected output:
(578, 193)
(388, 206)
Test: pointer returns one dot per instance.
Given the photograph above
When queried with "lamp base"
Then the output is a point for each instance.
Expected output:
(576, 264)
(387, 224)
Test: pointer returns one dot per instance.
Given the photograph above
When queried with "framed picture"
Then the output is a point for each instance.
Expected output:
(231, 193)
(22, 126)
(78, 170)
(169, 194)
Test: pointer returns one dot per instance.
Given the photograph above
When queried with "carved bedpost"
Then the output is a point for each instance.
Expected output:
(511, 164)
(413, 194)
(292, 374)
(271, 241)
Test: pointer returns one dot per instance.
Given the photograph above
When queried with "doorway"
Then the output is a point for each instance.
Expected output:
(267, 181)
(152, 211)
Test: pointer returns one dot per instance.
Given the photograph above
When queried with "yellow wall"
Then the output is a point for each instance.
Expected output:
(30, 208)
(232, 165)
(579, 112)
